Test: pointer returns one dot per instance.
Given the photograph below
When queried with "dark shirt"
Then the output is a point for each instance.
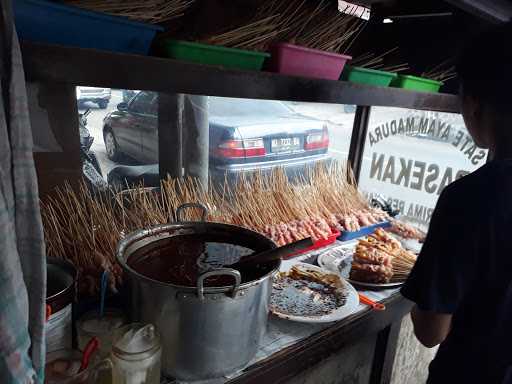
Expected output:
(465, 269)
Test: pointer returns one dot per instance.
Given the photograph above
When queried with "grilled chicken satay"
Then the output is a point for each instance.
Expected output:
(365, 255)
(371, 273)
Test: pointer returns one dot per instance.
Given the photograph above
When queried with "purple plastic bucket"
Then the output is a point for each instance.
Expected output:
(294, 60)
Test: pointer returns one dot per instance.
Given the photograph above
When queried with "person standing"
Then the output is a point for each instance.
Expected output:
(462, 282)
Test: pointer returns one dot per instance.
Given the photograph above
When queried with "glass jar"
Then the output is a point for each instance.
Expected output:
(136, 355)
(92, 325)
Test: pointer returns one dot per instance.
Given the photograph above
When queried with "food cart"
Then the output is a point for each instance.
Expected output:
(367, 346)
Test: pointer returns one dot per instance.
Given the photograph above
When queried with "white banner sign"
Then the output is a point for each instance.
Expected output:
(354, 10)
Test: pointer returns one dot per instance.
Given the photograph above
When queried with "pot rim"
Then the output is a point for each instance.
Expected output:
(66, 267)
(136, 236)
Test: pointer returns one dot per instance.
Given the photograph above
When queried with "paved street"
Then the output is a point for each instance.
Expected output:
(95, 126)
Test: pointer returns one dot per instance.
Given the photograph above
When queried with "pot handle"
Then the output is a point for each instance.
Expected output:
(219, 272)
(182, 207)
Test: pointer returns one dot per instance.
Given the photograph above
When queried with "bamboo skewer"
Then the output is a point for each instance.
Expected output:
(370, 61)
(150, 11)
(443, 71)
(313, 25)
(85, 228)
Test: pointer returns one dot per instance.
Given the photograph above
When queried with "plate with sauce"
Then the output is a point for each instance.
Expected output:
(309, 294)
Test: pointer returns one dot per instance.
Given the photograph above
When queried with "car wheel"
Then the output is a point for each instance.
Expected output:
(103, 104)
(111, 146)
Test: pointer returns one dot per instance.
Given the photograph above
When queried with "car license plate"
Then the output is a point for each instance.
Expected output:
(285, 144)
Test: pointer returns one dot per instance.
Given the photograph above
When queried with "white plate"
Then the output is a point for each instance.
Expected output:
(350, 306)
(375, 285)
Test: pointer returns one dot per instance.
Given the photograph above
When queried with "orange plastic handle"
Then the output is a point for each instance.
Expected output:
(377, 306)
(90, 348)
(48, 312)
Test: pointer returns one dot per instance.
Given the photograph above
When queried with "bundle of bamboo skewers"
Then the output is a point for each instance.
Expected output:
(326, 28)
(443, 71)
(149, 11)
(256, 35)
(85, 228)
(371, 61)
(318, 25)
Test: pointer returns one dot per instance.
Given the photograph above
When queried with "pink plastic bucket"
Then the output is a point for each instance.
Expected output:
(294, 60)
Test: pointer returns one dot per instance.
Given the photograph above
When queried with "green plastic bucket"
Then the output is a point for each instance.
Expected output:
(367, 76)
(214, 55)
(416, 83)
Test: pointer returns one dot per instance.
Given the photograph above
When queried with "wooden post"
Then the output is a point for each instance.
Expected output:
(196, 138)
(170, 135)
(53, 111)
(358, 139)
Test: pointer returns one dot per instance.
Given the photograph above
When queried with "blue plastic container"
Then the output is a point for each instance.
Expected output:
(46, 22)
(364, 231)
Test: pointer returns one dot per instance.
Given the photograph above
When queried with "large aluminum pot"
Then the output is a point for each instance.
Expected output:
(206, 332)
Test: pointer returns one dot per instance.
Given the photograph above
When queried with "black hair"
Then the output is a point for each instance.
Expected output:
(484, 68)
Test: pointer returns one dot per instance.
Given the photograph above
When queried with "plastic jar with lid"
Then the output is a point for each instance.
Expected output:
(136, 355)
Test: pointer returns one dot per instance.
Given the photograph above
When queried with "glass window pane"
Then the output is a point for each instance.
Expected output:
(119, 135)
(120, 132)
(142, 103)
(411, 155)
(248, 135)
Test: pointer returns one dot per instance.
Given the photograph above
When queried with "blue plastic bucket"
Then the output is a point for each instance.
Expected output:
(46, 22)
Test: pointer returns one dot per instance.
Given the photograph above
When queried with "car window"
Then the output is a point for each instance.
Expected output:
(153, 107)
(143, 103)
(225, 106)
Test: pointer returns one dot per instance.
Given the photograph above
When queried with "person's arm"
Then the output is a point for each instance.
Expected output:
(430, 328)
(444, 270)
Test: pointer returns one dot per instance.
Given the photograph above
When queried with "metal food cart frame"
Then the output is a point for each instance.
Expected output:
(60, 69)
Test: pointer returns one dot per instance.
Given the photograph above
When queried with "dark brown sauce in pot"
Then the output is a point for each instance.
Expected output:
(180, 260)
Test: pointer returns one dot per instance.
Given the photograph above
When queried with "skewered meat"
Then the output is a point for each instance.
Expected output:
(332, 221)
(383, 236)
(366, 255)
(286, 233)
(380, 258)
(363, 218)
(371, 273)
(282, 234)
(301, 228)
(379, 214)
(350, 223)
(354, 220)
(406, 231)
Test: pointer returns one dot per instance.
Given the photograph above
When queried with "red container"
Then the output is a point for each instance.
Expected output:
(317, 245)
(294, 60)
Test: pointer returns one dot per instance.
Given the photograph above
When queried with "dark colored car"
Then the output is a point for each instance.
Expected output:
(245, 135)
(100, 96)
(128, 94)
